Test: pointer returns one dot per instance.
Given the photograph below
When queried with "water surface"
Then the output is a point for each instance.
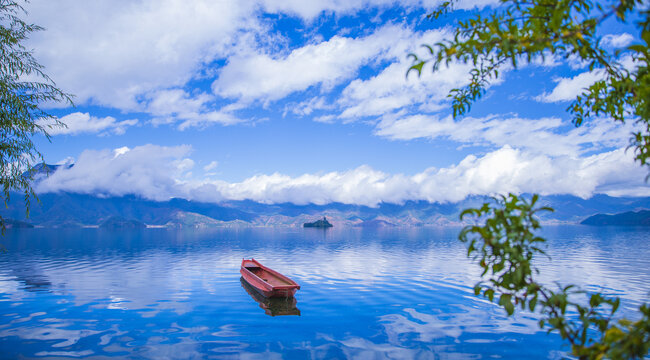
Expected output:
(396, 293)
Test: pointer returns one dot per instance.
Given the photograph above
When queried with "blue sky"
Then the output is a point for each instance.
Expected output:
(307, 101)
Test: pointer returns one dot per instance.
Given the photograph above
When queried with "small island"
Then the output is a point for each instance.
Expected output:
(319, 224)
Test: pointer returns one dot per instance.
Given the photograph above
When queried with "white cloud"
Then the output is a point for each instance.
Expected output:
(177, 106)
(142, 55)
(308, 10)
(110, 52)
(549, 136)
(617, 40)
(159, 173)
(120, 151)
(207, 118)
(114, 52)
(568, 88)
(211, 166)
(325, 64)
(262, 76)
(176, 102)
(390, 90)
(308, 106)
(150, 171)
(79, 123)
(500, 171)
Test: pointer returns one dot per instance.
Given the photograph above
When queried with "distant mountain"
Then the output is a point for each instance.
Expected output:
(118, 222)
(375, 224)
(13, 224)
(185, 219)
(76, 210)
(574, 209)
(630, 218)
(85, 210)
(42, 170)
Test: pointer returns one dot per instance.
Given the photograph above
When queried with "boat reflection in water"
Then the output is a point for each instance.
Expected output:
(272, 306)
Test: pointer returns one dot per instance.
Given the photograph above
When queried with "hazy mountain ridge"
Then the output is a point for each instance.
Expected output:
(630, 218)
(117, 222)
(68, 209)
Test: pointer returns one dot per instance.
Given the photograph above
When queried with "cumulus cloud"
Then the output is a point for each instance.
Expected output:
(111, 52)
(211, 166)
(263, 76)
(617, 40)
(568, 88)
(160, 173)
(175, 102)
(503, 170)
(308, 106)
(389, 90)
(150, 171)
(141, 55)
(551, 136)
(80, 123)
(177, 106)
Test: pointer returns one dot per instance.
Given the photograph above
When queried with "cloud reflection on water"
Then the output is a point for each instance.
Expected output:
(394, 293)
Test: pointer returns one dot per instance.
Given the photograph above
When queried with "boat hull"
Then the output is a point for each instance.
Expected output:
(266, 281)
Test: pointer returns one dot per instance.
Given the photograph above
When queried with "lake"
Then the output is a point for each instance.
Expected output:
(367, 294)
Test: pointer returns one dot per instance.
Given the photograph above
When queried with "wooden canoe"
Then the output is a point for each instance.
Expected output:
(267, 282)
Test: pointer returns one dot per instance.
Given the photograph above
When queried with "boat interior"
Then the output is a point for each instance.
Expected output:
(267, 276)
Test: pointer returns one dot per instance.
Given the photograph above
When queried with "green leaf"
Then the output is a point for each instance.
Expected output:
(510, 308)
(417, 67)
(615, 305)
(532, 303)
(489, 293)
(638, 48)
(505, 301)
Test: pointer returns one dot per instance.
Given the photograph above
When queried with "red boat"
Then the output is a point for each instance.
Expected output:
(268, 282)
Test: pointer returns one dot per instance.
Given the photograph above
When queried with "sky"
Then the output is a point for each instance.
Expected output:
(308, 102)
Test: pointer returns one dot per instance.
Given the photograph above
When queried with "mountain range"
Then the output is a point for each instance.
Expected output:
(630, 218)
(77, 210)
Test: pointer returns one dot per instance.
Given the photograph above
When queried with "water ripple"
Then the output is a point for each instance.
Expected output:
(365, 293)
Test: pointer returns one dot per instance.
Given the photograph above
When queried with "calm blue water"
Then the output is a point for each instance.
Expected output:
(399, 293)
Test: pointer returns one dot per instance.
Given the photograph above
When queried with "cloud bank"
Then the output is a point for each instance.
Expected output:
(159, 173)
(149, 171)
